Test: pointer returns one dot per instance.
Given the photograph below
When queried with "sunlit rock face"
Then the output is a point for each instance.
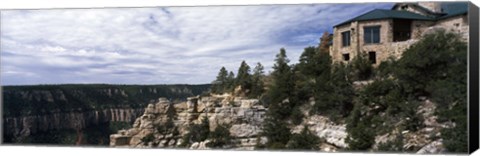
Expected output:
(24, 126)
(245, 117)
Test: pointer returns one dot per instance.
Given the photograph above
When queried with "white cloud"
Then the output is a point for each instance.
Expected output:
(156, 45)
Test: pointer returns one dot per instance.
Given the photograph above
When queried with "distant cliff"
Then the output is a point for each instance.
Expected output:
(31, 110)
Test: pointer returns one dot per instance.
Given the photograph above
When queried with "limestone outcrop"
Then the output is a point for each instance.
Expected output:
(334, 134)
(244, 116)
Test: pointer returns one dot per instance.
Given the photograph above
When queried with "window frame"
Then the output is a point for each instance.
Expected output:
(371, 37)
(346, 41)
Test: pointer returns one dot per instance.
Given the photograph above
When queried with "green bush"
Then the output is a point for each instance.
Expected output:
(361, 136)
(196, 133)
(306, 140)
(277, 133)
(361, 68)
(220, 136)
(297, 116)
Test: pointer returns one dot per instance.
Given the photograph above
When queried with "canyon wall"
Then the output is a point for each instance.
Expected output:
(18, 128)
(27, 110)
(244, 117)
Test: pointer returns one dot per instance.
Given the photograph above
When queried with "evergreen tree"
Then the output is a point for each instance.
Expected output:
(361, 67)
(220, 136)
(281, 89)
(244, 79)
(257, 82)
(335, 96)
(436, 67)
(314, 68)
(230, 82)
(219, 85)
(360, 134)
(279, 108)
(306, 140)
(277, 133)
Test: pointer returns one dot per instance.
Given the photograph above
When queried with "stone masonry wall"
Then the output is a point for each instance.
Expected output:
(387, 48)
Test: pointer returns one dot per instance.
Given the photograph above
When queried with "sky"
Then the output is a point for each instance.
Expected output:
(158, 45)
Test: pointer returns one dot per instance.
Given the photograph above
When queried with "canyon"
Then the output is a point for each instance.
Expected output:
(31, 111)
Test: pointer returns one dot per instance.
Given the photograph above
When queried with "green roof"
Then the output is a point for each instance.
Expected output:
(387, 14)
(449, 9)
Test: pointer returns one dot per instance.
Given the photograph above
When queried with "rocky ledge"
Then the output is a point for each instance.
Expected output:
(244, 115)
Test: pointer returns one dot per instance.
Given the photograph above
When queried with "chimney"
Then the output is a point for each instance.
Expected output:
(432, 6)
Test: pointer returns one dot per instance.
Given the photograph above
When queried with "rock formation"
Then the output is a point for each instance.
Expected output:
(24, 126)
(244, 115)
(28, 110)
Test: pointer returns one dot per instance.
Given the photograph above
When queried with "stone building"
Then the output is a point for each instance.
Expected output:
(383, 33)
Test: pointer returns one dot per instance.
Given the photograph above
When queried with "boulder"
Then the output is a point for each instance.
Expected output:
(244, 130)
(432, 148)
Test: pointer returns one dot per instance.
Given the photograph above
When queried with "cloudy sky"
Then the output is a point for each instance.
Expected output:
(162, 45)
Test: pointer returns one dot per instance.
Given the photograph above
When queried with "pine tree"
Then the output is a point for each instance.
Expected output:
(361, 67)
(360, 134)
(281, 89)
(306, 140)
(279, 108)
(313, 67)
(277, 133)
(244, 79)
(230, 82)
(257, 82)
(219, 85)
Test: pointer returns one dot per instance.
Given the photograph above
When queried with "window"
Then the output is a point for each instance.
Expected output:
(346, 57)
(346, 38)
(372, 56)
(401, 30)
(371, 34)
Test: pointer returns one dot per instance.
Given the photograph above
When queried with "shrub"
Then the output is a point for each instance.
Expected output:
(360, 134)
(196, 133)
(304, 141)
(220, 136)
(277, 133)
(296, 116)
(361, 67)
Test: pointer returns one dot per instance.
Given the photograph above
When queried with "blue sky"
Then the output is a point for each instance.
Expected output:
(162, 45)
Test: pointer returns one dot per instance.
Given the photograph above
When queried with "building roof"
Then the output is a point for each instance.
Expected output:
(387, 14)
(449, 9)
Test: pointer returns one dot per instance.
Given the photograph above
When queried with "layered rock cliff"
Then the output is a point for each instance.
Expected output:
(245, 117)
(18, 128)
(28, 110)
